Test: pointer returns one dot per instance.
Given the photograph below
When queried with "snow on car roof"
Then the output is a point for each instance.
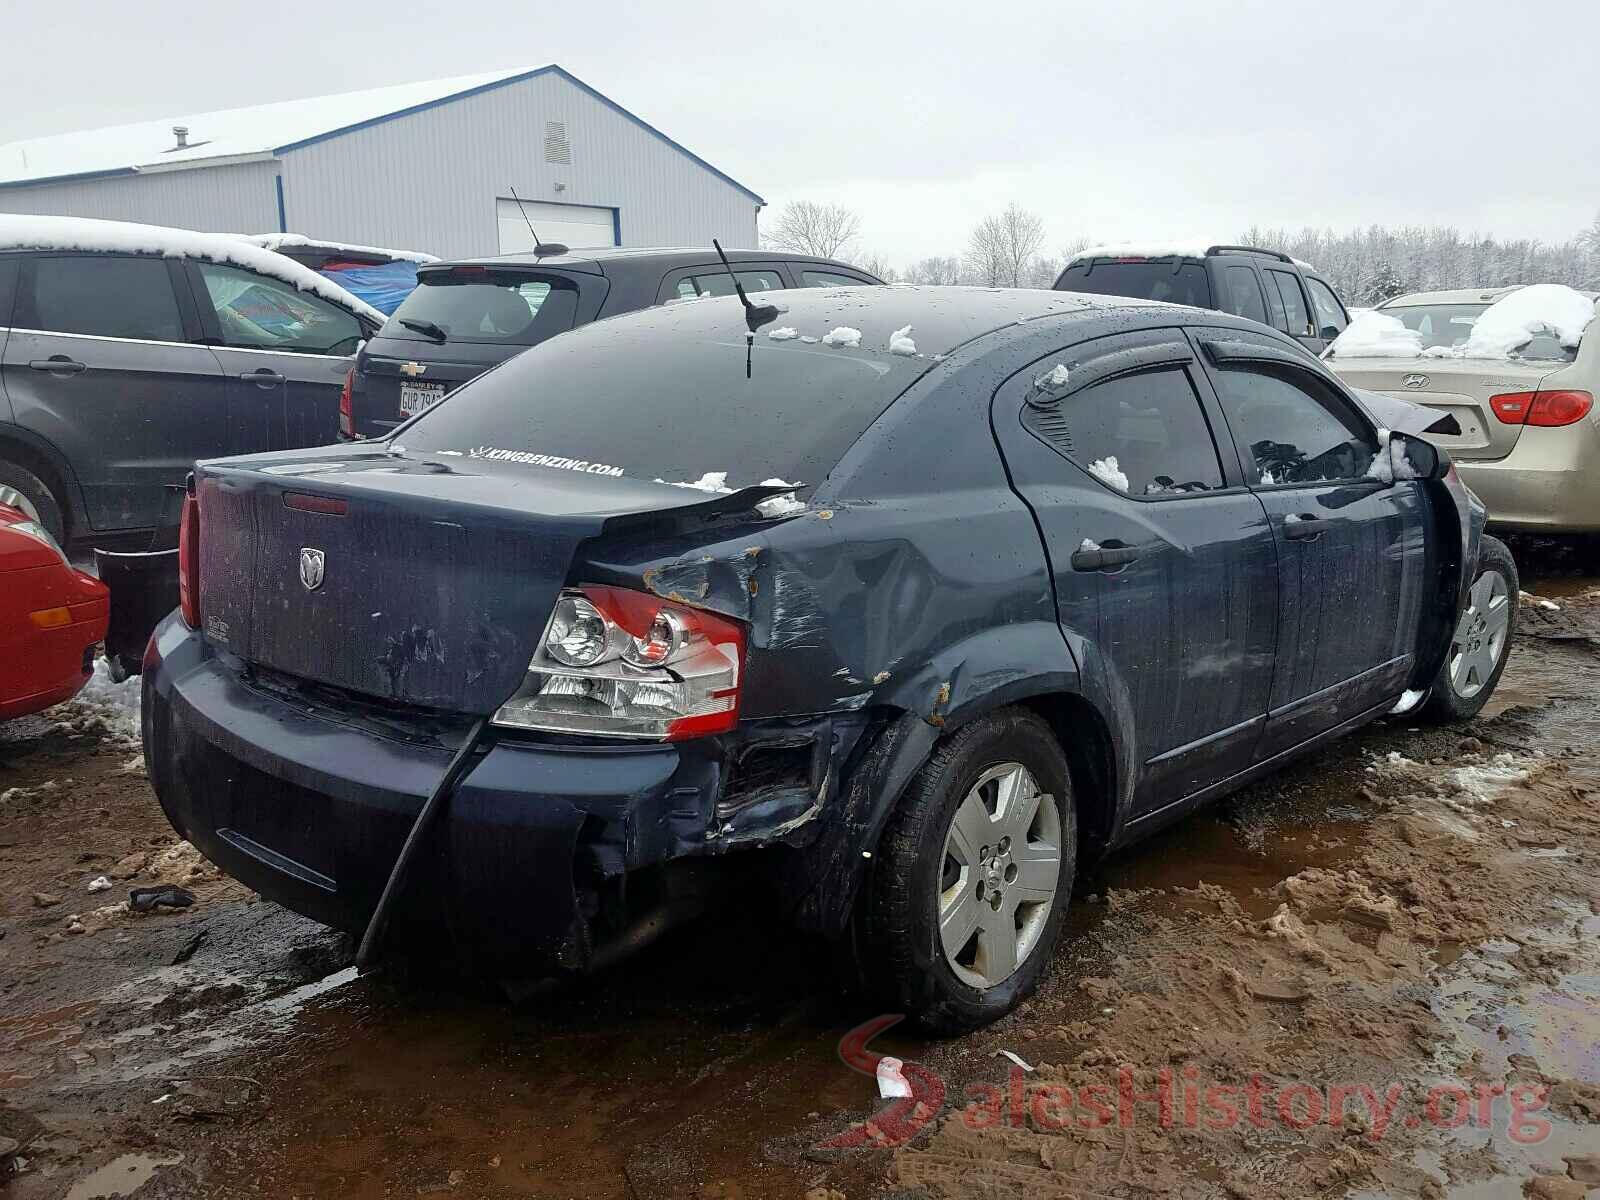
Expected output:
(1174, 249)
(229, 133)
(277, 241)
(24, 232)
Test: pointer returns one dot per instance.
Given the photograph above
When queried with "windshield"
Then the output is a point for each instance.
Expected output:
(1175, 281)
(663, 395)
(476, 305)
(1446, 325)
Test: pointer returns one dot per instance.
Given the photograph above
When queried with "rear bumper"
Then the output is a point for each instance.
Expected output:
(1549, 482)
(40, 667)
(309, 804)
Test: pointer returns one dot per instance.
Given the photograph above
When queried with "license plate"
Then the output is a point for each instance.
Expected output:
(415, 397)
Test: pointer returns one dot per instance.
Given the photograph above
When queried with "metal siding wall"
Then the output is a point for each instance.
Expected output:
(429, 181)
(236, 199)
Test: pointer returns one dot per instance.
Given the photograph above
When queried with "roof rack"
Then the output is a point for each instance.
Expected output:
(1277, 254)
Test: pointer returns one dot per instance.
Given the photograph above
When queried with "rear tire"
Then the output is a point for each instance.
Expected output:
(1481, 643)
(22, 489)
(973, 875)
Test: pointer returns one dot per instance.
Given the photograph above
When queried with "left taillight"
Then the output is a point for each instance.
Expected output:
(619, 663)
(347, 405)
(189, 560)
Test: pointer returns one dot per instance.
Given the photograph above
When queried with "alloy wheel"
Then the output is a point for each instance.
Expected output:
(999, 875)
(1480, 638)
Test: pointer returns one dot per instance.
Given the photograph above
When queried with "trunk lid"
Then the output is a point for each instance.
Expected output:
(414, 581)
(1460, 387)
(396, 379)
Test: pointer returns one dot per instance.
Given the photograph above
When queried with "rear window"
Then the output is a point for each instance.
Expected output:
(662, 395)
(1173, 280)
(498, 308)
(1446, 325)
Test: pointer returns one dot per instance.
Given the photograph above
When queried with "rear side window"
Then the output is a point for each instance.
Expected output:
(1175, 281)
(497, 308)
(1143, 434)
(1294, 304)
(829, 279)
(1241, 294)
(102, 295)
(1293, 428)
(256, 312)
(717, 283)
(1330, 317)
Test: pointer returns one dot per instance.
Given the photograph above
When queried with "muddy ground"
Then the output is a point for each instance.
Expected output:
(1377, 973)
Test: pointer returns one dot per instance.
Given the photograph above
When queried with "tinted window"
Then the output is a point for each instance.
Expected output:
(1143, 434)
(828, 279)
(1330, 317)
(1241, 294)
(498, 308)
(260, 313)
(1294, 304)
(662, 394)
(1293, 432)
(1446, 325)
(105, 296)
(1178, 282)
(718, 283)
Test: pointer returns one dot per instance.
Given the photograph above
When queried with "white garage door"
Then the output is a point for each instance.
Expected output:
(575, 225)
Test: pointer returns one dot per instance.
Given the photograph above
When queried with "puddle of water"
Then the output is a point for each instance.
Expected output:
(122, 1176)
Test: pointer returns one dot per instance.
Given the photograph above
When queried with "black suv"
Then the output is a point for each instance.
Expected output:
(1260, 285)
(473, 314)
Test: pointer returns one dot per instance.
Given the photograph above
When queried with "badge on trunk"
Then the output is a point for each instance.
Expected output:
(1416, 381)
(311, 565)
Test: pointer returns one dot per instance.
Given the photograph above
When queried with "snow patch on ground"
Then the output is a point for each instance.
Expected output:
(20, 232)
(843, 335)
(1108, 472)
(104, 708)
(1374, 334)
(900, 342)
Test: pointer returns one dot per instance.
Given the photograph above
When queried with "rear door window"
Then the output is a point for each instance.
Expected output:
(1175, 281)
(717, 283)
(1294, 303)
(1241, 294)
(257, 312)
(101, 295)
(1292, 427)
(810, 278)
(1330, 316)
(481, 306)
(1142, 434)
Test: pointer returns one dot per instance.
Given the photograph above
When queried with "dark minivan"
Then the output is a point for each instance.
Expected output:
(883, 612)
(1259, 285)
(470, 315)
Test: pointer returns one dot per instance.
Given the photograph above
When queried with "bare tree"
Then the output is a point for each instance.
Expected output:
(938, 269)
(876, 264)
(1002, 247)
(806, 227)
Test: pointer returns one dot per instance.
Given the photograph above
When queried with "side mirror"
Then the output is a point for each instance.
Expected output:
(1417, 458)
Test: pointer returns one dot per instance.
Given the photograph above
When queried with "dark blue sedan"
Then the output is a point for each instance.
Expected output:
(883, 607)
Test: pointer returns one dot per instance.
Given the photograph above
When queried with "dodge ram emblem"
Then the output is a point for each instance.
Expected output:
(1417, 381)
(311, 565)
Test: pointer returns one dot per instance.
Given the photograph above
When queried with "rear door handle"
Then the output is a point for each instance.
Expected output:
(1305, 529)
(1105, 556)
(58, 364)
(263, 378)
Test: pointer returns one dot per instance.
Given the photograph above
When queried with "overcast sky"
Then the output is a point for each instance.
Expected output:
(1113, 119)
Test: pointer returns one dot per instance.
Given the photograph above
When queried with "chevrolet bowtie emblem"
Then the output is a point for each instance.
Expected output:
(413, 369)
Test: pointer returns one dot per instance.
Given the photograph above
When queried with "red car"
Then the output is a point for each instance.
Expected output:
(51, 617)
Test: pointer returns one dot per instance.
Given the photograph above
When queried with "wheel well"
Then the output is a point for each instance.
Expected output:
(28, 458)
(1086, 740)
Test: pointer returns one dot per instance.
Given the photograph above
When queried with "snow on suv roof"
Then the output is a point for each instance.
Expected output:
(1176, 249)
(23, 232)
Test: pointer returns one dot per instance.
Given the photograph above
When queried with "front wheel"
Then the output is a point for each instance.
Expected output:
(974, 873)
(1482, 639)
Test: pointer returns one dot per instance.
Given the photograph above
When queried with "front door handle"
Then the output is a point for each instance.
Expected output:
(1102, 557)
(262, 378)
(58, 364)
(1305, 528)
